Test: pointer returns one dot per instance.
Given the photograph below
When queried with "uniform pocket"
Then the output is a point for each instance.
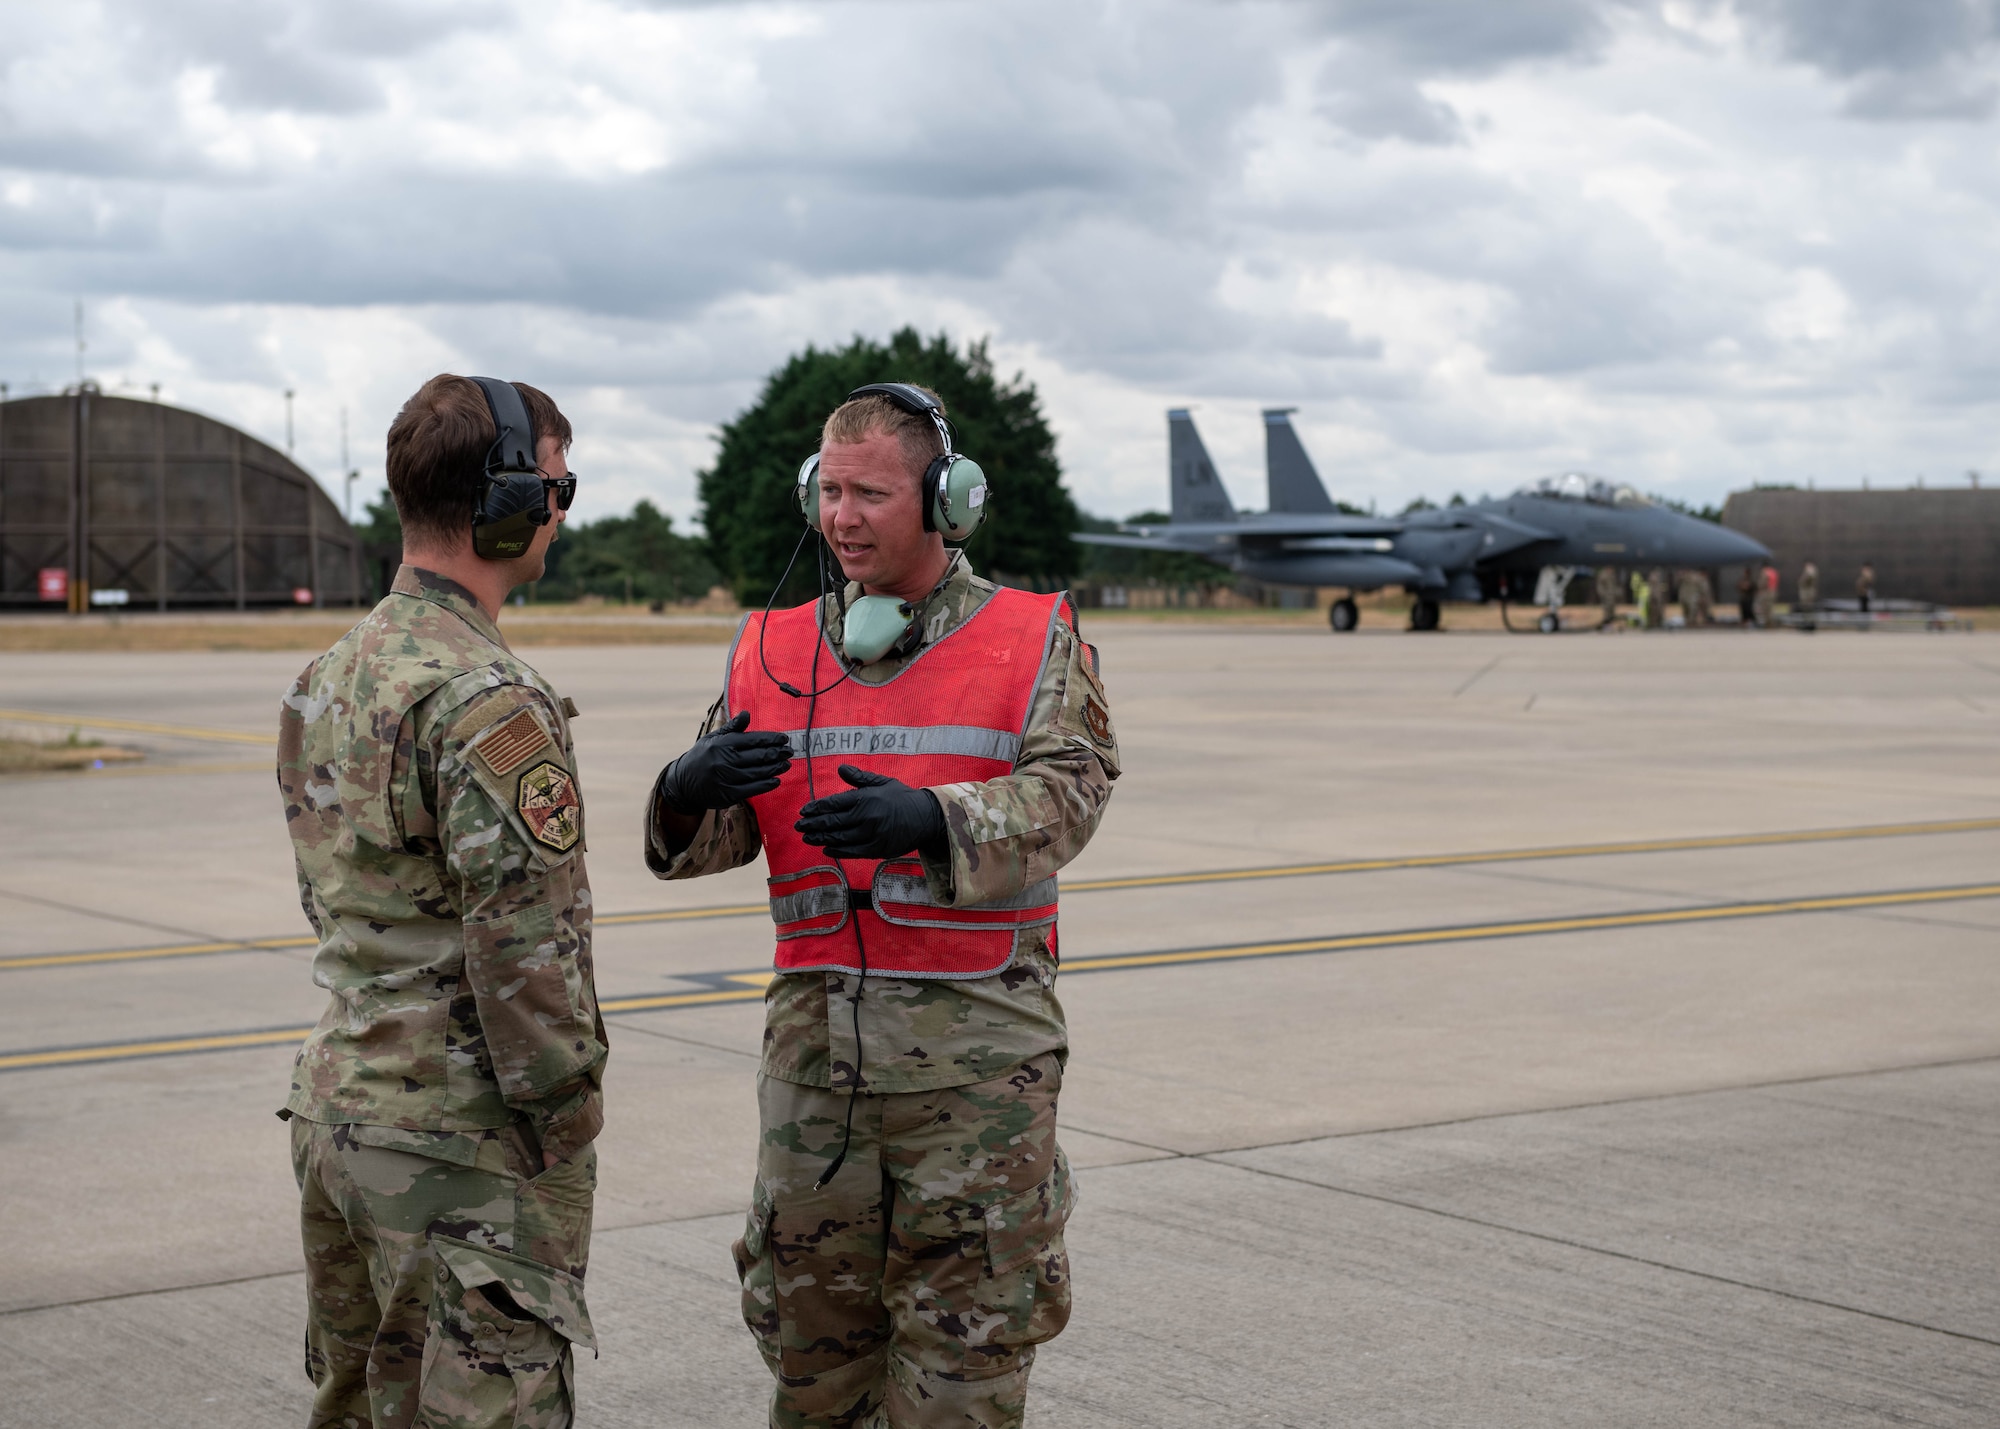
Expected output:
(1023, 1292)
(497, 1349)
(552, 1213)
(757, 1275)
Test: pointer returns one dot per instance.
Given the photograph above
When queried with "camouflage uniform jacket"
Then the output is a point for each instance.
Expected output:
(1004, 835)
(430, 792)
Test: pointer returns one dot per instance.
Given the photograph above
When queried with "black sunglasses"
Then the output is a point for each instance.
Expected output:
(565, 489)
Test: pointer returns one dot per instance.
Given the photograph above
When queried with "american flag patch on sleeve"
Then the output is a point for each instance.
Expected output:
(508, 746)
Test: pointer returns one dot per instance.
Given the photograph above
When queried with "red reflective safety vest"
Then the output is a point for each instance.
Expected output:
(956, 713)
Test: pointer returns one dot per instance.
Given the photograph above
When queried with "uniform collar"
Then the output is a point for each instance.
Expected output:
(951, 593)
(957, 574)
(443, 590)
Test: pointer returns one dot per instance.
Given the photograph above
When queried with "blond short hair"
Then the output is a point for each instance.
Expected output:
(855, 419)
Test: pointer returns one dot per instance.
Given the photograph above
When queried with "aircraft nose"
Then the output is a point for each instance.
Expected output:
(1733, 548)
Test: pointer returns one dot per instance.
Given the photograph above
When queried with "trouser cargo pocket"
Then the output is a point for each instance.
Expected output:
(1022, 1297)
(497, 1352)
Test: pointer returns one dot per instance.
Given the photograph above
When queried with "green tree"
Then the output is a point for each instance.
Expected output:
(381, 545)
(383, 526)
(636, 557)
(746, 497)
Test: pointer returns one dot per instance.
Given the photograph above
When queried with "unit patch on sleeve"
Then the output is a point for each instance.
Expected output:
(511, 742)
(549, 806)
(1097, 719)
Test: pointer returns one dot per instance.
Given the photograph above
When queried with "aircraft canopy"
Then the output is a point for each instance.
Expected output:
(1581, 486)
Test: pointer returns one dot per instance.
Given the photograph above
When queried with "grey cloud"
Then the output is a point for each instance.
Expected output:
(1372, 86)
(300, 57)
(1907, 59)
(1357, 95)
(1472, 37)
(1853, 37)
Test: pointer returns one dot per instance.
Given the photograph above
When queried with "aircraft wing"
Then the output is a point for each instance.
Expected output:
(1170, 539)
(1277, 524)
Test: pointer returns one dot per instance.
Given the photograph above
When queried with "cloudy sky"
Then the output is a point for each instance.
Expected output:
(1689, 243)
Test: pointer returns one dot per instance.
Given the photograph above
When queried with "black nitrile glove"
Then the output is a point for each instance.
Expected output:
(725, 768)
(879, 818)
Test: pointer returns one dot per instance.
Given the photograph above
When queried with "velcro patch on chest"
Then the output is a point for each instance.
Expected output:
(549, 806)
(509, 744)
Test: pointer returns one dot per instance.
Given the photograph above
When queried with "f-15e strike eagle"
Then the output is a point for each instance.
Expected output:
(1520, 547)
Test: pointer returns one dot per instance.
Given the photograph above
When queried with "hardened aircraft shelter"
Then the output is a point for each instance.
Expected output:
(104, 495)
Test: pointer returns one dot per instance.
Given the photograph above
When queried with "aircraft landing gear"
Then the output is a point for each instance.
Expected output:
(1343, 615)
(1550, 587)
(1423, 613)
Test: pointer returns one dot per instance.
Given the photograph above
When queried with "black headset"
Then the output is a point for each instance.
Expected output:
(511, 501)
(954, 489)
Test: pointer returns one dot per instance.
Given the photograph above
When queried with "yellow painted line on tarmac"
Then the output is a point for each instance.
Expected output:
(1526, 855)
(683, 999)
(126, 955)
(139, 726)
(1476, 931)
(165, 1047)
(758, 981)
(1160, 880)
(685, 915)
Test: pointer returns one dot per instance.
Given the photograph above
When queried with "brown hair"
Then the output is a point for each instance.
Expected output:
(437, 452)
(855, 418)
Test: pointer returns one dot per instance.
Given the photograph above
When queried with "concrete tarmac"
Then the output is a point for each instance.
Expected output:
(1679, 1135)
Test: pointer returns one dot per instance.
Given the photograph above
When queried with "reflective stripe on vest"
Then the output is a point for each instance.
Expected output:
(956, 713)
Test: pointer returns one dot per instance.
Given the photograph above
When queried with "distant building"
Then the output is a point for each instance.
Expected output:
(120, 502)
(1932, 544)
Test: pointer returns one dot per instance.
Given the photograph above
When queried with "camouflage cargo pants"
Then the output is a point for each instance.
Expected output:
(913, 1290)
(440, 1295)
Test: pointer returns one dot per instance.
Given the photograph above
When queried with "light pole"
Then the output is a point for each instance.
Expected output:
(349, 473)
(289, 394)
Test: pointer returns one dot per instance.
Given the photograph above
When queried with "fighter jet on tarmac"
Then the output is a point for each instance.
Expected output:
(1520, 547)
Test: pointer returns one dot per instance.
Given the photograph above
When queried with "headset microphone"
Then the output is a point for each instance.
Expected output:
(511, 502)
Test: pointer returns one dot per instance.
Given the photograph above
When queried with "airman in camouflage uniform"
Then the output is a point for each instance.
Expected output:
(916, 1296)
(443, 1112)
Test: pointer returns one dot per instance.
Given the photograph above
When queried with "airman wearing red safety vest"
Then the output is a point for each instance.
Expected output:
(904, 1249)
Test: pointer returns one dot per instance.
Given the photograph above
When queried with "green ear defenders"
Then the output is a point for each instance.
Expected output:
(954, 490)
(511, 501)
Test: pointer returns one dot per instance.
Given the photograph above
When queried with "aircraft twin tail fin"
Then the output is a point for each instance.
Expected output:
(1295, 486)
(1198, 494)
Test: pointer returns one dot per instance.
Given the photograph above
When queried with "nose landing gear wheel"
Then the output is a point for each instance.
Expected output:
(1549, 624)
(1424, 614)
(1343, 615)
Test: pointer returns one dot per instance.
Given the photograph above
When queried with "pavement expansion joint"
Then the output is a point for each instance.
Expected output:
(150, 1291)
(1634, 1099)
(1215, 1158)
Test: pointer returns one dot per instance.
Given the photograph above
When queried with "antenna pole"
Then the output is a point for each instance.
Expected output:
(289, 394)
(79, 341)
(348, 472)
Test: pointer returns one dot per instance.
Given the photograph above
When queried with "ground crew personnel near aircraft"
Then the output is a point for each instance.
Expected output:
(1642, 597)
(904, 1247)
(444, 1109)
(1766, 599)
(1609, 583)
(1864, 587)
(1809, 593)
